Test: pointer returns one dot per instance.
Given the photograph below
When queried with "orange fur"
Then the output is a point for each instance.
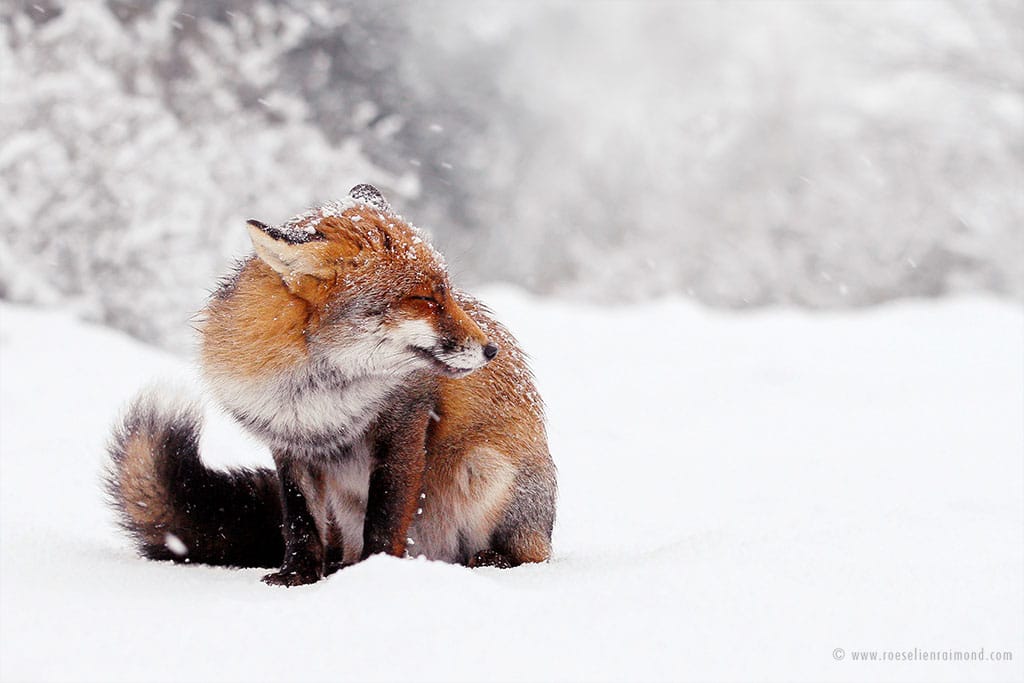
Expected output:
(258, 331)
(143, 491)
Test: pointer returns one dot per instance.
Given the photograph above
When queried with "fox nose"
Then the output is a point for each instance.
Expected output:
(490, 351)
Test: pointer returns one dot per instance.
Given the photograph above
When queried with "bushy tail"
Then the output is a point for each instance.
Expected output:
(174, 507)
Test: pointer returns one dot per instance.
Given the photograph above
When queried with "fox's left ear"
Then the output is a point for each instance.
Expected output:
(289, 256)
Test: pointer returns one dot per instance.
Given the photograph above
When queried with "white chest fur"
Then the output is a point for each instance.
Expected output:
(304, 413)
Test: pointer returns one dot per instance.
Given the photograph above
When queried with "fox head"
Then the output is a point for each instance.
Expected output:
(379, 297)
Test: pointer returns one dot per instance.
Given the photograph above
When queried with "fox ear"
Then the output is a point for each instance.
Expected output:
(289, 256)
(368, 194)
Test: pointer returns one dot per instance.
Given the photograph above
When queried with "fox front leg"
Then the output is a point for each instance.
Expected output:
(395, 487)
(303, 547)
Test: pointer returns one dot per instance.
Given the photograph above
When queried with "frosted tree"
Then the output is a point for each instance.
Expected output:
(124, 206)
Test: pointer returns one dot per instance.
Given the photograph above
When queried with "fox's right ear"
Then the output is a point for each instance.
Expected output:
(368, 194)
(289, 256)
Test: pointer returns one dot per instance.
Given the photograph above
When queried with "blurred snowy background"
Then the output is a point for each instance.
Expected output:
(746, 179)
(822, 154)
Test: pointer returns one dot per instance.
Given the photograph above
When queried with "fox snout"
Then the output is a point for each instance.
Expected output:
(487, 348)
(461, 358)
(462, 344)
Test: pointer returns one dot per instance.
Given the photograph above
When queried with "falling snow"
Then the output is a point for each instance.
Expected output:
(175, 545)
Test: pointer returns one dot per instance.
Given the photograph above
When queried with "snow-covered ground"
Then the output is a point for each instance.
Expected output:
(741, 495)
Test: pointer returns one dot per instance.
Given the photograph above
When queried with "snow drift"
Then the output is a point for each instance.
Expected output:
(741, 496)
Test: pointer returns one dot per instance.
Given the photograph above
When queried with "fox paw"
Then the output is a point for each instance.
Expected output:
(490, 558)
(290, 577)
(332, 567)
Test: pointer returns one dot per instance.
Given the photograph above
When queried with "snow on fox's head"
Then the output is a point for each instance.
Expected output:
(380, 297)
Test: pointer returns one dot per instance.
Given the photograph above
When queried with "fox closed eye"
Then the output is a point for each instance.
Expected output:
(428, 300)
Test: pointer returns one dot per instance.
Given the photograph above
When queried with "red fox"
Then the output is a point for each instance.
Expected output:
(402, 418)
